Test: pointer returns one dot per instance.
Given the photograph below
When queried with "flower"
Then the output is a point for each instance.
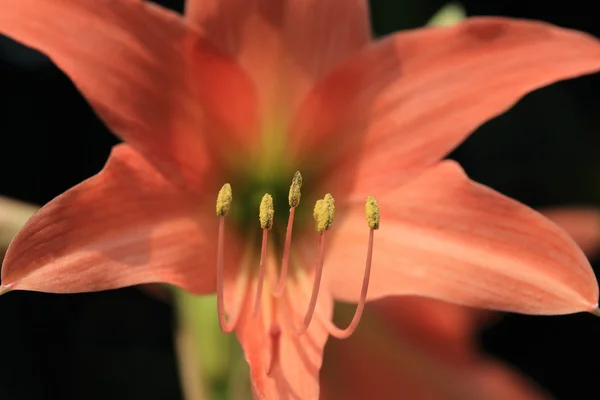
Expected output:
(248, 92)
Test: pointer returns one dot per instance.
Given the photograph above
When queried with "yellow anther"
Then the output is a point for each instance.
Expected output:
(266, 213)
(224, 199)
(294, 197)
(372, 213)
(324, 212)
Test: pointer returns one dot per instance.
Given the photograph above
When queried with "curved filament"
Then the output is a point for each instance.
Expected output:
(226, 326)
(280, 287)
(261, 271)
(315, 291)
(345, 333)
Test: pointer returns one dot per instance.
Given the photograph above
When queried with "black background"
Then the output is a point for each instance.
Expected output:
(118, 344)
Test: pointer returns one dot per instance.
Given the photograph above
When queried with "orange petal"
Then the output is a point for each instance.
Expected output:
(296, 372)
(406, 101)
(401, 363)
(155, 82)
(502, 383)
(284, 45)
(581, 223)
(443, 328)
(127, 225)
(447, 237)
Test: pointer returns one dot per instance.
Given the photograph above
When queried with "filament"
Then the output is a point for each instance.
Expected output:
(345, 333)
(261, 271)
(275, 336)
(315, 291)
(226, 326)
(280, 288)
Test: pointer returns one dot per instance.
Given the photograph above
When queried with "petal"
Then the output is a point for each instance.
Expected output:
(284, 45)
(155, 82)
(401, 363)
(127, 225)
(581, 223)
(446, 237)
(13, 215)
(442, 328)
(503, 383)
(406, 101)
(296, 374)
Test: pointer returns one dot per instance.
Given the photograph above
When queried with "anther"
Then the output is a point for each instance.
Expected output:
(224, 199)
(266, 215)
(323, 213)
(294, 196)
(372, 215)
(294, 201)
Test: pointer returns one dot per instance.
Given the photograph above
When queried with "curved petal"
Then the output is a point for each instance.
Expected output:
(154, 81)
(127, 225)
(284, 45)
(406, 101)
(296, 373)
(581, 223)
(447, 237)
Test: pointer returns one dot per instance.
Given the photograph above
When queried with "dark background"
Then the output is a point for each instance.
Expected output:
(118, 344)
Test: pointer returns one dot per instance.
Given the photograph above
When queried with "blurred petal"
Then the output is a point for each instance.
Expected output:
(127, 225)
(401, 361)
(296, 374)
(447, 237)
(153, 81)
(404, 102)
(498, 380)
(581, 223)
(443, 328)
(284, 45)
(13, 215)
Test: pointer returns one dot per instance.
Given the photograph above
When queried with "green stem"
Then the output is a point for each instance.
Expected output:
(203, 351)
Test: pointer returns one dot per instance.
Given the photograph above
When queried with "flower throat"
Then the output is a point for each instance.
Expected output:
(323, 214)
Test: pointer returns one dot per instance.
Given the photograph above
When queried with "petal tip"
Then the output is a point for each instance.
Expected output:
(595, 311)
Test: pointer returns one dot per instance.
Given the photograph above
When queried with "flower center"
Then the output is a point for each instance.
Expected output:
(251, 188)
(323, 214)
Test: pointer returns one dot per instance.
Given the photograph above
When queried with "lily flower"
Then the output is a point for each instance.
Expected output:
(236, 96)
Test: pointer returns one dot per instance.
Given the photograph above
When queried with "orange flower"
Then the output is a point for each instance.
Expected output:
(248, 92)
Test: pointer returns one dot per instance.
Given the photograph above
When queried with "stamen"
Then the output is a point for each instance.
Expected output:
(294, 201)
(224, 199)
(266, 216)
(372, 214)
(274, 336)
(323, 213)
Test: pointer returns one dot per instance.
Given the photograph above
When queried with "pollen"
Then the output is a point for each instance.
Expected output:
(324, 212)
(224, 199)
(294, 196)
(266, 213)
(372, 213)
